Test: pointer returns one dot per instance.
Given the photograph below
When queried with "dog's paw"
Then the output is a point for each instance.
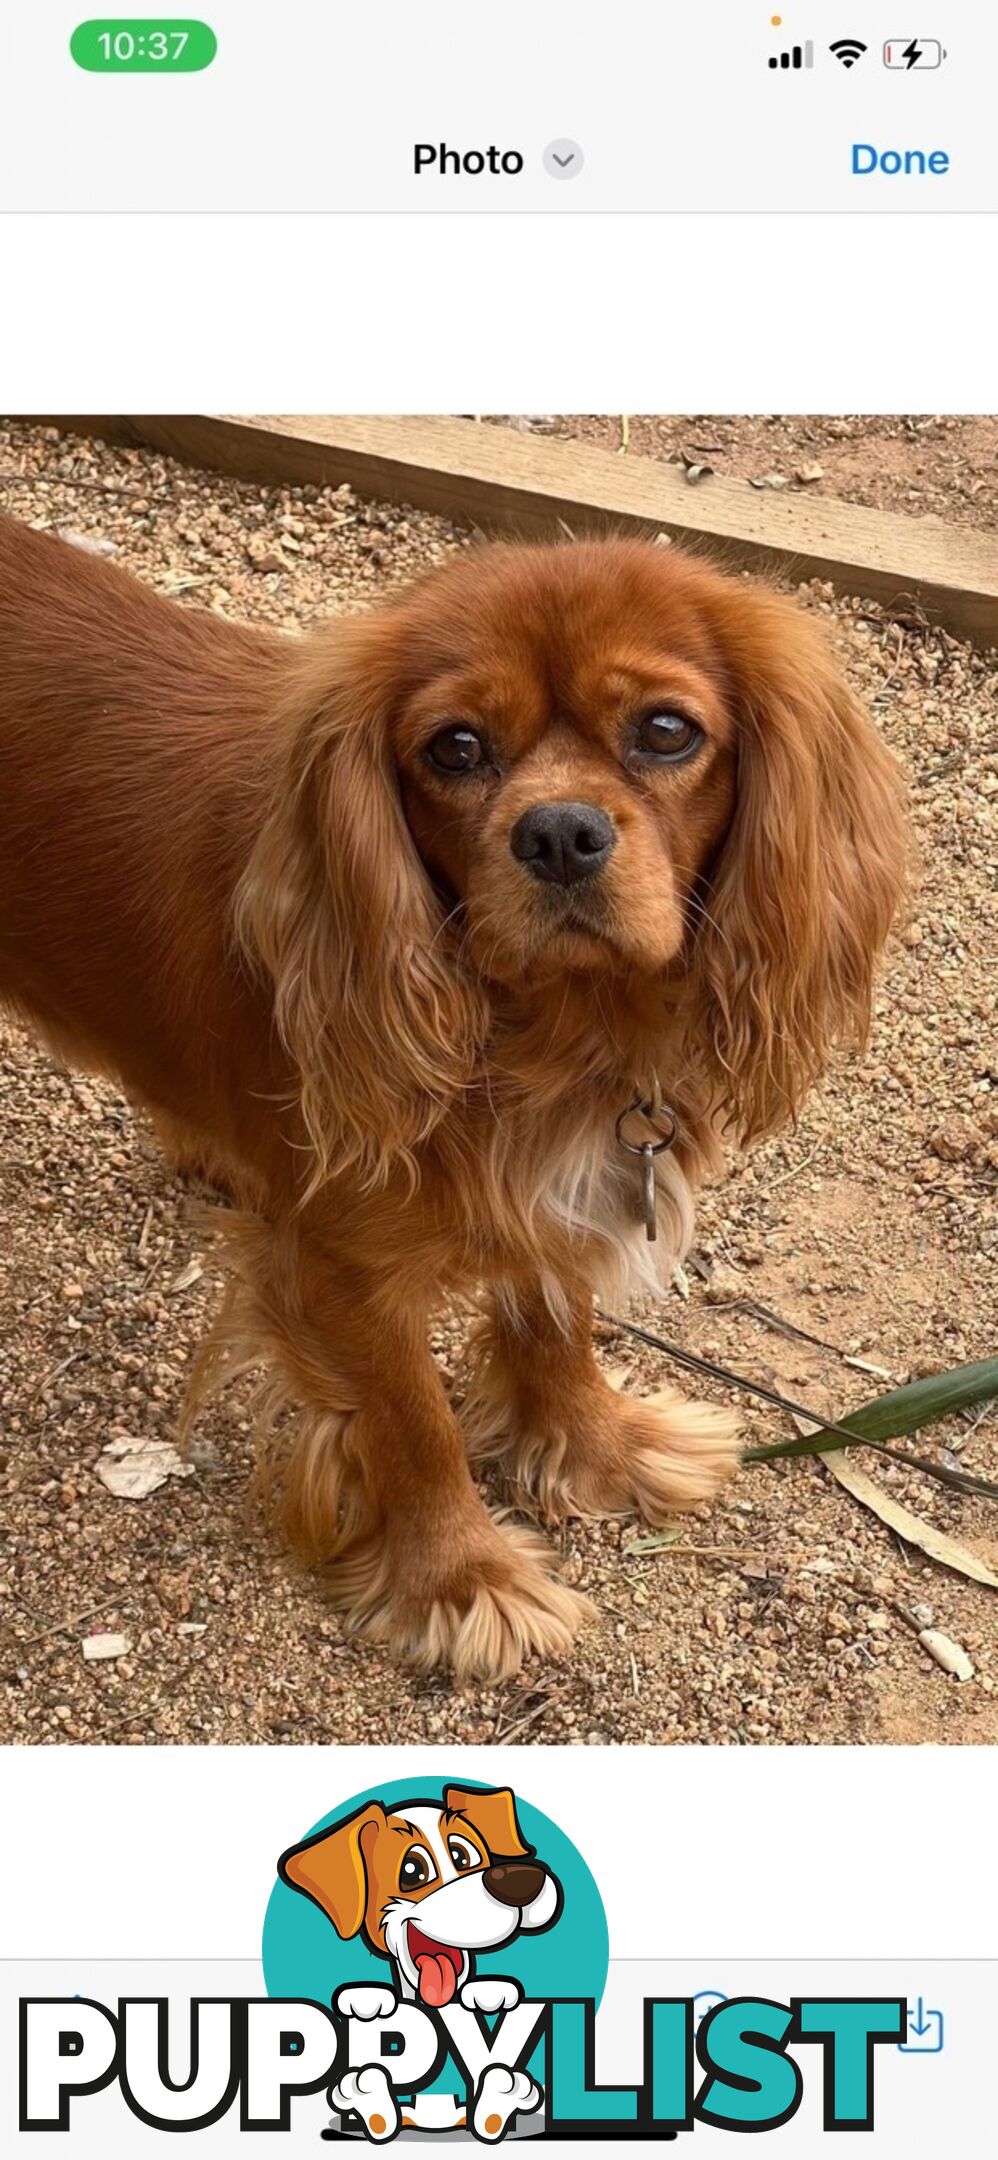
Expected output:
(481, 1606)
(367, 2093)
(676, 1453)
(502, 2094)
(613, 1454)
(515, 1609)
(491, 1995)
(364, 2002)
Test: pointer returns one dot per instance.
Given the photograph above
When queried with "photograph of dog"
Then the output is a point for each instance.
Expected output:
(412, 933)
(428, 1886)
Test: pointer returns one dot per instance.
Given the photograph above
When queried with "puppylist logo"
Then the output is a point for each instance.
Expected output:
(435, 1962)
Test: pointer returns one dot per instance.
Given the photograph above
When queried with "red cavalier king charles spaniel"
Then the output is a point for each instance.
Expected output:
(387, 926)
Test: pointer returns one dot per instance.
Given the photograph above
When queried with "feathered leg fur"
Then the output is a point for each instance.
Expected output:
(568, 1442)
(365, 1465)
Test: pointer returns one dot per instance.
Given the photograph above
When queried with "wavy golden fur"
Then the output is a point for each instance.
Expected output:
(386, 925)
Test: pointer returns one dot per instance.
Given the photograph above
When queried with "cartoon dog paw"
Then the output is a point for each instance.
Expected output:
(501, 2095)
(491, 1995)
(365, 2003)
(367, 2093)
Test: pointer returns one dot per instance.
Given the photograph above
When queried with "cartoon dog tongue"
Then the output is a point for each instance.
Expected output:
(438, 1971)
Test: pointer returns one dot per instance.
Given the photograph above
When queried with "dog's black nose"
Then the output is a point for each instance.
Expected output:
(514, 1882)
(563, 841)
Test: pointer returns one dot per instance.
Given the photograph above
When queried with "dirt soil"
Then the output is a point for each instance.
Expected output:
(785, 1613)
(940, 465)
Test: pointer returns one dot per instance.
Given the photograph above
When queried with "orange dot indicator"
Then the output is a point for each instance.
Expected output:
(776, 21)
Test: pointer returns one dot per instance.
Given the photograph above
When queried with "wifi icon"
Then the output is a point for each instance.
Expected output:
(848, 50)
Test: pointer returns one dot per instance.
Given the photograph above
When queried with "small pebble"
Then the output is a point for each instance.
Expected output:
(96, 1647)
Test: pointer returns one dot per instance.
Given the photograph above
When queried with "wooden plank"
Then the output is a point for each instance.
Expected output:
(500, 480)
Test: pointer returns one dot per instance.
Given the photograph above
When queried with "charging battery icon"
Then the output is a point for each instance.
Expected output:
(908, 53)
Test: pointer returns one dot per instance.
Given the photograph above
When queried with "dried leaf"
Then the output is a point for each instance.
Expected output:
(657, 1543)
(934, 1542)
(947, 1653)
(192, 1273)
(131, 1469)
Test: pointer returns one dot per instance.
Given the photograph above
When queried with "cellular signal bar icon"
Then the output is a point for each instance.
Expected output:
(798, 56)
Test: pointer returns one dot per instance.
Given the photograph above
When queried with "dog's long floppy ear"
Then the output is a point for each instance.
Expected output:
(493, 1815)
(337, 905)
(329, 1868)
(808, 881)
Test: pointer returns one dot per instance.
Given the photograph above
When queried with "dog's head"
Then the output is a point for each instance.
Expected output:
(427, 1885)
(605, 762)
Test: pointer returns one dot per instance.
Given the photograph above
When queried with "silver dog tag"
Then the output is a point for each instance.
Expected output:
(648, 1181)
(665, 1127)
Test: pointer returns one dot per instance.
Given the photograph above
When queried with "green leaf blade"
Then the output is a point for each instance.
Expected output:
(898, 1414)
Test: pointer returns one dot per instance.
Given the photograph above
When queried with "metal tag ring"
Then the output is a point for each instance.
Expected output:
(655, 1118)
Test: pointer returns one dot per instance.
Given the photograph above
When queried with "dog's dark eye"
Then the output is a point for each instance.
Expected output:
(461, 1854)
(456, 750)
(416, 1869)
(668, 735)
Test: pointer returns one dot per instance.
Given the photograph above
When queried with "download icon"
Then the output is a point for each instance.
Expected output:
(924, 2033)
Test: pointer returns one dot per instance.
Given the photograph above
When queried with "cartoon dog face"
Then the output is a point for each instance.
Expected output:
(427, 1885)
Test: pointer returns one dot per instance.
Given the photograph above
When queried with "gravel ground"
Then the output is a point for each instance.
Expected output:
(778, 1618)
(922, 464)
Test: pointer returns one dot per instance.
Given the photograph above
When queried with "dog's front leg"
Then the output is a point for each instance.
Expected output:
(569, 1443)
(367, 2092)
(502, 2094)
(373, 1475)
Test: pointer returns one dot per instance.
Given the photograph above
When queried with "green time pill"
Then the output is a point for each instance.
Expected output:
(139, 47)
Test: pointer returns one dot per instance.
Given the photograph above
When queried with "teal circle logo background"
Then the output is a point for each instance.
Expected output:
(303, 1955)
